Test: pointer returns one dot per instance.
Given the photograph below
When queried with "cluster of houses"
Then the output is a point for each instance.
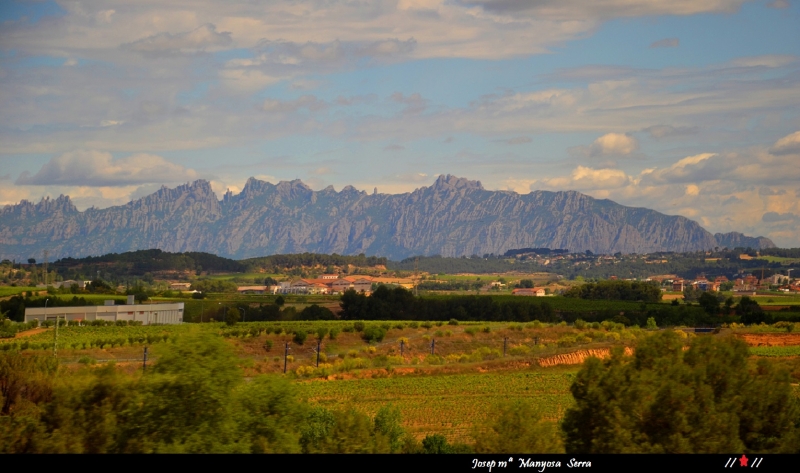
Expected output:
(745, 283)
(327, 284)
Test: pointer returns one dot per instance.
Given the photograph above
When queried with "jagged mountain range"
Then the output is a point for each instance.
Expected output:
(453, 217)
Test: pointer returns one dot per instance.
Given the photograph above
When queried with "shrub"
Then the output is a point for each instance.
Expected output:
(414, 324)
(471, 331)
(300, 337)
(373, 334)
(358, 326)
(452, 322)
(333, 333)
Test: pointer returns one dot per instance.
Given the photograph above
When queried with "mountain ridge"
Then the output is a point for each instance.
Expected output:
(452, 217)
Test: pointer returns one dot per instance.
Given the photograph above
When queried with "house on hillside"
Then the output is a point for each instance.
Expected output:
(535, 291)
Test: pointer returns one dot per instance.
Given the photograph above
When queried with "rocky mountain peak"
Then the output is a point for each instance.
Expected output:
(446, 182)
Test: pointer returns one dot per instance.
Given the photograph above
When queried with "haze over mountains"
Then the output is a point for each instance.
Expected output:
(453, 217)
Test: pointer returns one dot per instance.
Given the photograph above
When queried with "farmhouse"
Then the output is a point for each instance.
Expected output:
(148, 314)
(536, 291)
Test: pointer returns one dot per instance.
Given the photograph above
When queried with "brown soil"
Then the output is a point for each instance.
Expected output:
(578, 357)
(30, 333)
(770, 339)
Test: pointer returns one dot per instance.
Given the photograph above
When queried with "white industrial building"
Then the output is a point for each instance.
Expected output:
(148, 314)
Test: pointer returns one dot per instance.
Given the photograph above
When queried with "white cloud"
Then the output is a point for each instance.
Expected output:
(586, 179)
(787, 145)
(100, 169)
(610, 144)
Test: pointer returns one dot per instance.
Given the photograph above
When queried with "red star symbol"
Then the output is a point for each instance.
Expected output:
(743, 461)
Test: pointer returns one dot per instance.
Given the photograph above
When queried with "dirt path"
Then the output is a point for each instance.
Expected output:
(30, 333)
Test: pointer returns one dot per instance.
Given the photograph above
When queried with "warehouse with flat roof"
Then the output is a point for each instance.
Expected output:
(147, 314)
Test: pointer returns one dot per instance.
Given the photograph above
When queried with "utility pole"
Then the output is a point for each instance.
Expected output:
(505, 345)
(319, 342)
(433, 345)
(144, 360)
(402, 345)
(285, 356)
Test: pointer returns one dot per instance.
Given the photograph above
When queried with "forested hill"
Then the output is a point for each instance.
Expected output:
(453, 217)
(144, 261)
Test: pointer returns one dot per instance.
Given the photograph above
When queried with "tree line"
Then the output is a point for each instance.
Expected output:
(617, 291)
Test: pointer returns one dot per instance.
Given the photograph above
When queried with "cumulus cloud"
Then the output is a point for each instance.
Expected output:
(586, 179)
(610, 144)
(787, 145)
(666, 43)
(95, 168)
(204, 38)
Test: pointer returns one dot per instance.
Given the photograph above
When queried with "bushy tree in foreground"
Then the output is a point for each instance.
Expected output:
(667, 400)
(518, 427)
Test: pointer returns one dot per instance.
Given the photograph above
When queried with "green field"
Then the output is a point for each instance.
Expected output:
(12, 290)
(451, 405)
(775, 351)
(779, 259)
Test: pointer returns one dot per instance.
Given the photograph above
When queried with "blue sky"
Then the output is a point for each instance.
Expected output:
(685, 107)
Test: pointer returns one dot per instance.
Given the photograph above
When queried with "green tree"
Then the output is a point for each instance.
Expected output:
(186, 400)
(269, 415)
(517, 427)
(749, 310)
(665, 400)
(233, 316)
(709, 303)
